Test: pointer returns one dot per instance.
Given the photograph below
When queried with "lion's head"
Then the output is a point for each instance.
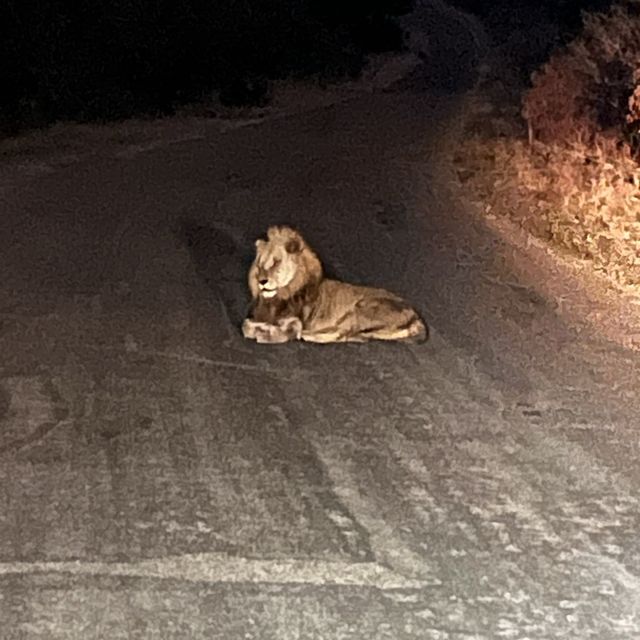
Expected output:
(283, 266)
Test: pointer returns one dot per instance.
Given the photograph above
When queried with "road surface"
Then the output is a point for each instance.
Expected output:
(162, 478)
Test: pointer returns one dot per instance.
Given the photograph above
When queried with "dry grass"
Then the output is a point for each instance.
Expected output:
(576, 181)
(585, 201)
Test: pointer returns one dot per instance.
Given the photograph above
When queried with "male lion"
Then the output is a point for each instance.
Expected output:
(293, 301)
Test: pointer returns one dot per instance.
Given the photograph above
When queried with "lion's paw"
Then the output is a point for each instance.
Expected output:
(250, 328)
(266, 333)
(292, 327)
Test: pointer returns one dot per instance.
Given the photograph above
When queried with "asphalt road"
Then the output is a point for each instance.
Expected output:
(162, 478)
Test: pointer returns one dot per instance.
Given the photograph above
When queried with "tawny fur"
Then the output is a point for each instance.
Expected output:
(292, 300)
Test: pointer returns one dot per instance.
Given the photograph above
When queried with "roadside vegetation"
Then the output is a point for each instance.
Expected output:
(569, 170)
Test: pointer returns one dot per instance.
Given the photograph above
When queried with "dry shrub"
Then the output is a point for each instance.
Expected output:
(576, 182)
(587, 87)
(583, 199)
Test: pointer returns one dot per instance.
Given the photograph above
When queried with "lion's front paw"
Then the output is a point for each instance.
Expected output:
(291, 327)
(250, 328)
(270, 334)
(286, 330)
(265, 333)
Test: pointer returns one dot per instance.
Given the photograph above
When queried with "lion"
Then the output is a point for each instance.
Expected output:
(292, 300)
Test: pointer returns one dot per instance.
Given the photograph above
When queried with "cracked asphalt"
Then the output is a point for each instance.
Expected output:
(162, 478)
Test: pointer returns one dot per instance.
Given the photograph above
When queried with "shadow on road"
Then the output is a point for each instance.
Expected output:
(221, 264)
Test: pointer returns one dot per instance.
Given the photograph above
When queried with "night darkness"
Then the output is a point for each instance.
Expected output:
(109, 60)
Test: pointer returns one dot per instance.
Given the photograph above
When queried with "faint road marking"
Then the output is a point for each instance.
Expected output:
(193, 359)
(220, 568)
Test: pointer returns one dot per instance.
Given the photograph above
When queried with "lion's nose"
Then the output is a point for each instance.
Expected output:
(263, 281)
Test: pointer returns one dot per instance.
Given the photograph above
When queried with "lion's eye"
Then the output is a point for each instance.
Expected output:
(276, 262)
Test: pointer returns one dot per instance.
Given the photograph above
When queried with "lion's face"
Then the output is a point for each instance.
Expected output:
(277, 262)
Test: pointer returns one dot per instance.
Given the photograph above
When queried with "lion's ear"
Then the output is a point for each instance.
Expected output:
(260, 243)
(293, 245)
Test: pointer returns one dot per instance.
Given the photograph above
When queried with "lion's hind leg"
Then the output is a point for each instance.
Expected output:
(328, 336)
(388, 319)
(374, 318)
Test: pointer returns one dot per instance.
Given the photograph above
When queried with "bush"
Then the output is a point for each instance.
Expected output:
(576, 182)
(585, 89)
(113, 58)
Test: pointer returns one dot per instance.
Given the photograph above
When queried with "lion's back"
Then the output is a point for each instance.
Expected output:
(336, 299)
(344, 294)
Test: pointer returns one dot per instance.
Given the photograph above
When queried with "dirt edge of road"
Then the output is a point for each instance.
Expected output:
(581, 297)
